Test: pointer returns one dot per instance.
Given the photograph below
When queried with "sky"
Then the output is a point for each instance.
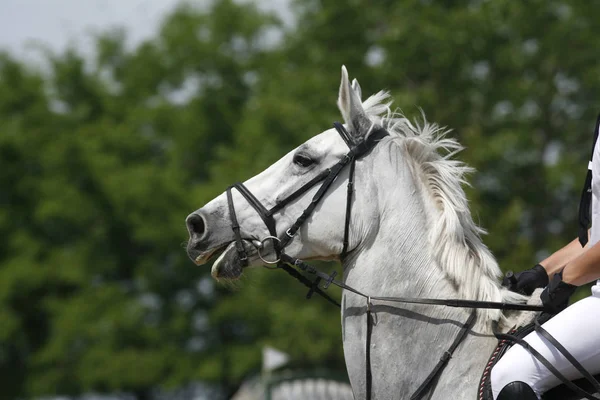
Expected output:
(58, 23)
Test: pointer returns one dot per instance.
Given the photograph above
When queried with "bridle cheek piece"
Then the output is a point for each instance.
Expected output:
(327, 177)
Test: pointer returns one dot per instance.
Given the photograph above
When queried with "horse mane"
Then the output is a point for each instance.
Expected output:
(454, 236)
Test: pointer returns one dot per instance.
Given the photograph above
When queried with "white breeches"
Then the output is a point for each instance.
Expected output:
(577, 328)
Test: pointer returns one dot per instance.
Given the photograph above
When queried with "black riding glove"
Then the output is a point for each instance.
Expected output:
(527, 281)
(555, 297)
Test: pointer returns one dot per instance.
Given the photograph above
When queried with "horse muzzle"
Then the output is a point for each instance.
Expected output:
(207, 242)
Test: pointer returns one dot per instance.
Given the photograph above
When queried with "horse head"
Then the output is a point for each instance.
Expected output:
(249, 222)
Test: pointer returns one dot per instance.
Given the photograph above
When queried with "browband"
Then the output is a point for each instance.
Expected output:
(361, 148)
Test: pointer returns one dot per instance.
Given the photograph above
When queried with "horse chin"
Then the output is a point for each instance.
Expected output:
(229, 266)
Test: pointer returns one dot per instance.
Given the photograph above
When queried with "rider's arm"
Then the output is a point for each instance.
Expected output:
(539, 276)
(560, 258)
(585, 268)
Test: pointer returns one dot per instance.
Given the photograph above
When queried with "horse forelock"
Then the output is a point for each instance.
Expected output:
(453, 235)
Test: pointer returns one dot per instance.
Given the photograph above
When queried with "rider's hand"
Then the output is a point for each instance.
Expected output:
(555, 297)
(527, 281)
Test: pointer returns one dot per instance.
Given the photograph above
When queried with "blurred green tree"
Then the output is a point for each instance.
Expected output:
(98, 161)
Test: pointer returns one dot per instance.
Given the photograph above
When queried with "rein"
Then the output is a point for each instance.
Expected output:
(286, 262)
(431, 380)
(459, 303)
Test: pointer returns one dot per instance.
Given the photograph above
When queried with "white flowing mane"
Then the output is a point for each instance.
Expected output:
(453, 235)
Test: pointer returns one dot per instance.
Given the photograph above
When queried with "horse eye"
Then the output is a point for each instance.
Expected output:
(302, 160)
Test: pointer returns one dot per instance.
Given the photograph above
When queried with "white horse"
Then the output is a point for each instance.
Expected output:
(410, 234)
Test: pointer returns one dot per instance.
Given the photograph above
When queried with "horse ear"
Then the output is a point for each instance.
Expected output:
(357, 89)
(350, 106)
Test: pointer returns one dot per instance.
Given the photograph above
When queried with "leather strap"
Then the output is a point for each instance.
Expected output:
(349, 196)
(235, 226)
(546, 364)
(335, 170)
(306, 282)
(580, 368)
(355, 152)
(344, 134)
(299, 192)
(369, 375)
(268, 220)
(428, 383)
(459, 303)
(257, 205)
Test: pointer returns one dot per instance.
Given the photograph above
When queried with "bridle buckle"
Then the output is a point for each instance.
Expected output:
(329, 280)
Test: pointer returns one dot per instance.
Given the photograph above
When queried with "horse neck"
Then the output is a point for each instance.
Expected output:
(398, 261)
(396, 257)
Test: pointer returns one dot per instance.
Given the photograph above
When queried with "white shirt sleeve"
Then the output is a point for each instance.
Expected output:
(595, 167)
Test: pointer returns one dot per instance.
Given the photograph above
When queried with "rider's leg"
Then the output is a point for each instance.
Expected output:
(577, 328)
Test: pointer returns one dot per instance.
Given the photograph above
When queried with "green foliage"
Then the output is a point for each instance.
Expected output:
(101, 160)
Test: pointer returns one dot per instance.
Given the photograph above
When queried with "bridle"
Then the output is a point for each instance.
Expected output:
(283, 261)
(327, 177)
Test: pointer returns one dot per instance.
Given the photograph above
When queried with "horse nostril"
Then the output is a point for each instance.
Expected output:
(195, 225)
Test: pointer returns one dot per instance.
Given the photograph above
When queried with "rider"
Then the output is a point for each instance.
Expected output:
(519, 375)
